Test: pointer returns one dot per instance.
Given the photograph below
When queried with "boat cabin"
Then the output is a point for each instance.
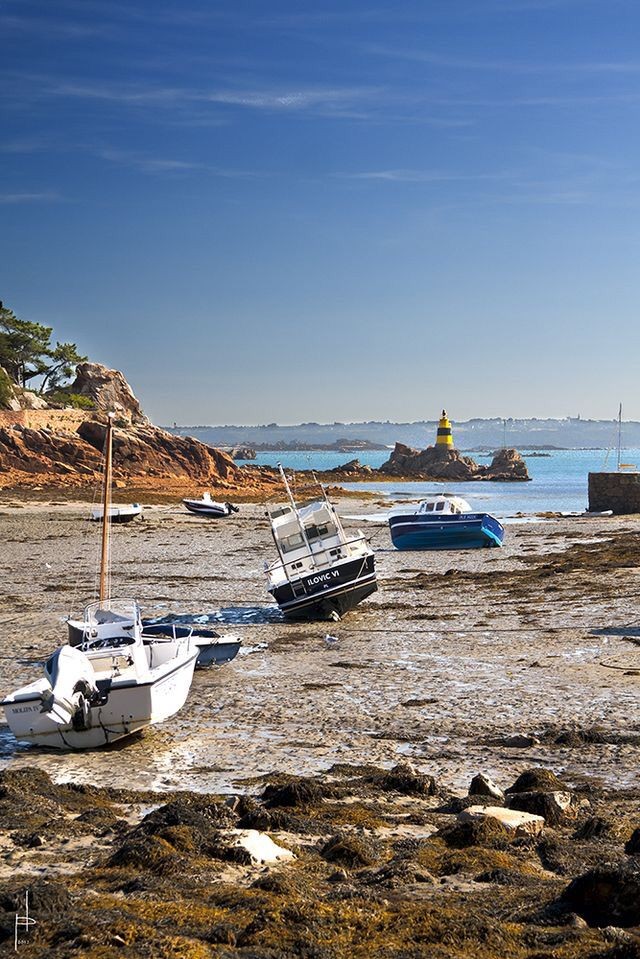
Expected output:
(314, 533)
(309, 539)
(444, 504)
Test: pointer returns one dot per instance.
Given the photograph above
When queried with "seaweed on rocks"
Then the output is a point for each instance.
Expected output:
(537, 780)
(607, 895)
(350, 850)
(487, 832)
(296, 791)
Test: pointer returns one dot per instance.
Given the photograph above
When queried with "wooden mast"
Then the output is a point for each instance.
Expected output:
(106, 519)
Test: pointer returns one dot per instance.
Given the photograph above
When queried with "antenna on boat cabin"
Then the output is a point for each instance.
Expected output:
(321, 485)
(295, 510)
(337, 519)
(287, 487)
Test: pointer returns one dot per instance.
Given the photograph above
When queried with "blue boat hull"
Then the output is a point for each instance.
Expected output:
(458, 531)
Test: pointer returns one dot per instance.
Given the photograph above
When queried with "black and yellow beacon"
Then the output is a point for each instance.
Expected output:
(445, 436)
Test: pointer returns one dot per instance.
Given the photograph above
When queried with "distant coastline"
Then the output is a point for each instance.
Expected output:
(476, 435)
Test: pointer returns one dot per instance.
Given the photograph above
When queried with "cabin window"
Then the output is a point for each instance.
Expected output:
(315, 532)
(440, 507)
(294, 541)
(430, 507)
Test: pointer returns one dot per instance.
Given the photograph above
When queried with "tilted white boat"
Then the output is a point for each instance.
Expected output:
(209, 507)
(112, 681)
(321, 572)
(117, 514)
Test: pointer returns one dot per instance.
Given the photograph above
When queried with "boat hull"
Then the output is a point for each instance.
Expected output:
(460, 531)
(213, 649)
(117, 515)
(328, 594)
(216, 652)
(199, 510)
(130, 707)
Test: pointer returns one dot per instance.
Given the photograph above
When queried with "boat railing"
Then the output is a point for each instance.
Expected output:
(166, 632)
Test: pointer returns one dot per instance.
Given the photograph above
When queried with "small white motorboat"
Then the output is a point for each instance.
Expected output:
(117, 514)
(209, 507)
(114, 683)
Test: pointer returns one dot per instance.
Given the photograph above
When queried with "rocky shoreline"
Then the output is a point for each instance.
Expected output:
(357, 862)
(49, 448)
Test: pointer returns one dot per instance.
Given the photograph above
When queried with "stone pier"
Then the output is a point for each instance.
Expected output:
(618, 491)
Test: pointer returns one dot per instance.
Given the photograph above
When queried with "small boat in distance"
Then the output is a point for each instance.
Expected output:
(208, 507)
(322, 573)
(117, 514)
(443, 522)
(110, 681)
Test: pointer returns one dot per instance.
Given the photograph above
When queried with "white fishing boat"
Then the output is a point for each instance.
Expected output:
(321, 573)
(209, 507)
(117, 514)
(114, 681)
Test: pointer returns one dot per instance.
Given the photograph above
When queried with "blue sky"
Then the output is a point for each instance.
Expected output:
(295, 211)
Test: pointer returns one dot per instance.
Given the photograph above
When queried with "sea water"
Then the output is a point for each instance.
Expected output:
(558, 480)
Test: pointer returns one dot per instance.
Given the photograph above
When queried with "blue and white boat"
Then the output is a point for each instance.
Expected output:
(443, 522)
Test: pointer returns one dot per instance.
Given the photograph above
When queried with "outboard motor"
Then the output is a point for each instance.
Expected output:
(73, 685)
(231, 508)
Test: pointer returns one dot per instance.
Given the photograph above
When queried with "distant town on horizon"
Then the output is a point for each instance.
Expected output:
(530, 433)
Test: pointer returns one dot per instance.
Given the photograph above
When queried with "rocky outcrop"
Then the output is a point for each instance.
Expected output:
(242, 453)
(506, 465)
(354, 467)
(109, 391)
(41, 451)
(139, 451)
(147, 450)
(442, 463)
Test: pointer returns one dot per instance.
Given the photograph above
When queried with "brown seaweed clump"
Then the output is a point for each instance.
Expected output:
(370, 881)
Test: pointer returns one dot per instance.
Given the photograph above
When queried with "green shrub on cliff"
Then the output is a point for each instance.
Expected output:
(6, 391)
(75, 400)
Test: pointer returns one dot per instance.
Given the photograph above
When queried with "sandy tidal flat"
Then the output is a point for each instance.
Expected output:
(456, 653)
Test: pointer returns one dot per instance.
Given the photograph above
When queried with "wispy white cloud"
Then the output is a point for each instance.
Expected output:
(334, 98)
(26, 145)
(347, 102)
(51, 27)
(421, 176)
(490, 64)
(15, 198)
(162, 166)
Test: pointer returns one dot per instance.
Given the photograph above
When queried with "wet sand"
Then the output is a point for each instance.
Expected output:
(456, 653)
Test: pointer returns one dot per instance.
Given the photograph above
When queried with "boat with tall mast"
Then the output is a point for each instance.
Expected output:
(321, 572)
(114, 681)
